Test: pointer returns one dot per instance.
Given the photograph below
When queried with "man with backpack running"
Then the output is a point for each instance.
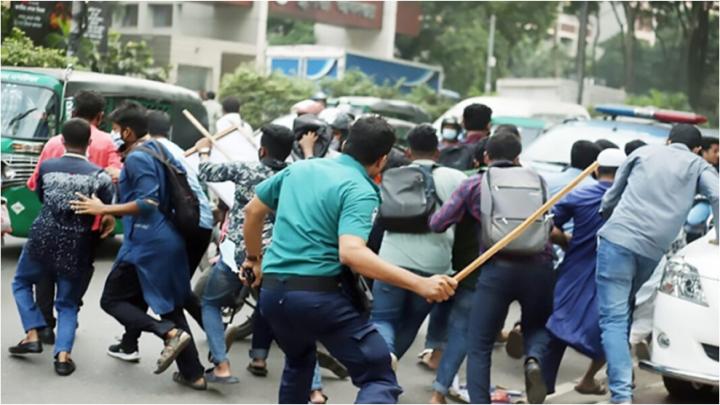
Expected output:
(408, 242)
(151, 268)
(499, 200)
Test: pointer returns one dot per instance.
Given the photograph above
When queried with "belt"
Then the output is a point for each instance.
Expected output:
(301, 283)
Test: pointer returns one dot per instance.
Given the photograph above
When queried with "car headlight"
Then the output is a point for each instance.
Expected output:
(682, 280)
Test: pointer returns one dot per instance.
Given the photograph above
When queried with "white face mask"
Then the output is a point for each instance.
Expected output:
(449, 134)
(117, 139)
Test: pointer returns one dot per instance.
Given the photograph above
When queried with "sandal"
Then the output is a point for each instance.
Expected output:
(514, 346)
(325, 399)
(211, 377)
(257, 370)
(173, 347)
(424, 359)
(597, 389)
(178, 378)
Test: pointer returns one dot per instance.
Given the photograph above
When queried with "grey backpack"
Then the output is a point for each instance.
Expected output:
(408, 198)
(508, 196)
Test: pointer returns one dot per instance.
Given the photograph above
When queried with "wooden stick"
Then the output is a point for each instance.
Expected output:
(523, 226)
(205, 133)
(216, 137)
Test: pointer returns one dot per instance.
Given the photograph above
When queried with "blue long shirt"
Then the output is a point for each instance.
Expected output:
(653, 192)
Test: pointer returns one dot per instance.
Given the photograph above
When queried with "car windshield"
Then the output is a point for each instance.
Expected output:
(28, 112)
(554, 145)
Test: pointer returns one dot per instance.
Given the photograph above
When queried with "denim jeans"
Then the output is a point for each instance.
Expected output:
(398, 315)
(456, 349)
(437, 333)
(29, 272)
(500, 283)
(620, 273)
(221, 288)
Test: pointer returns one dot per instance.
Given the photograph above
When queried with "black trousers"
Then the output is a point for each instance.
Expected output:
(195, 248)
(45, 288)
(122, 298)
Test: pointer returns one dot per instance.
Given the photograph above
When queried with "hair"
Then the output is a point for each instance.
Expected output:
(507, 128)
(131, 115)
(370, 138)
(476, 117)
(278, 140)
(451, 122)
(707, 142)
(76, 133)
(88, 104)
(632, 145)
(606, 171)
(687, 135)
(158, 123)
(583, 154)
(479, 151)
(423, 139)
(231, 105)
(210, 95)
(503, 146)
(605, 144)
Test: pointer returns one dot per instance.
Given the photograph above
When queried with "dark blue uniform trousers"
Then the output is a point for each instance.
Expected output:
(301, 318)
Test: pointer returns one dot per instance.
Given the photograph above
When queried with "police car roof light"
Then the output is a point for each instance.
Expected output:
(669, 116)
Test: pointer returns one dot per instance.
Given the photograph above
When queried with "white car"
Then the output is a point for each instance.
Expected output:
(685, 324)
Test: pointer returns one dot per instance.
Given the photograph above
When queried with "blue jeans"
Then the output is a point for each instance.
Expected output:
(437, 333)
(221, 289)
(301, 318)
(620, 273)
(398, 315)
(456, 349)
(499, 284)
(68, 290)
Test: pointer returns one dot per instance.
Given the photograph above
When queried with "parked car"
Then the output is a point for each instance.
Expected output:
(685, 325)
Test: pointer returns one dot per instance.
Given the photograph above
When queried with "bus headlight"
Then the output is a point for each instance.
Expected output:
(7, 172)
(682, 280)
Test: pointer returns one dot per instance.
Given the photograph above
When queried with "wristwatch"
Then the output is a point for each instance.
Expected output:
(204, 151)
(253, 258)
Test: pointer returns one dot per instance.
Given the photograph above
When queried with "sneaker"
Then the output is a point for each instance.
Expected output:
(534, 384)
(120, 352)
(458, 392)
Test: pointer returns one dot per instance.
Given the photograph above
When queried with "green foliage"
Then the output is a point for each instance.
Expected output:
(262, 97)
(19, 50)
(356, 83)
(660, 99)
(284, 31)
(6, 23)
(128, 59)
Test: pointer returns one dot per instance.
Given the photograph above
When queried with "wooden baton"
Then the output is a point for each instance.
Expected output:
(216, 137)
(523, 226)
(205, 133)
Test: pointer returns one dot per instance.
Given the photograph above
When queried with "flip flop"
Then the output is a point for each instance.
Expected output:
(514, 346)
(257, 370)
(424, 359)
(598, 389)
(178, 378)
(211, 377)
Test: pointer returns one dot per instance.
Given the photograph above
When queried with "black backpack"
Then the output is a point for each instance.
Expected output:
(184, 209)
(458, 157)
(408, 199)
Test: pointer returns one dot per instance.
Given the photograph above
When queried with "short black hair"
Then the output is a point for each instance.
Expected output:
(507, 128)
(231, 105)
(632, 145)
(131, 115)
(503, 146)
(88, 104)
(686, 134)
(476, 117)
(583, 154)
(479, 151)
(76, 133)
(370, 138)
(423, 138)
(210, 95)
(606, 171)
(278, 140)
(707, 142)
(158, 123)
(606, 144)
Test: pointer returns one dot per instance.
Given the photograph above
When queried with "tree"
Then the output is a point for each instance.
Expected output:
(128, 58)
(631, 12)
(285, 31)
(19, 50)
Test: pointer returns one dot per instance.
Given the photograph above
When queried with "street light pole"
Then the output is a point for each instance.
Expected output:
(490, 57)
(580, 57)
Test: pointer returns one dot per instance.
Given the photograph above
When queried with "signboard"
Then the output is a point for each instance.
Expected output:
(96, 20)
(355, 14)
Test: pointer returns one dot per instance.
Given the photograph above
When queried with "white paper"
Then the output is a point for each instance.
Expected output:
(227, 254)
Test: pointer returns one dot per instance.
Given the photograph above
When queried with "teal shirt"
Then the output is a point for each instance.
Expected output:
(315, 201)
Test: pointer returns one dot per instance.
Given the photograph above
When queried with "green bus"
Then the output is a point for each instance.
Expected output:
(36, 101)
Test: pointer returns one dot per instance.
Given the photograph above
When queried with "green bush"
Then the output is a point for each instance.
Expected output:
(19, 50)
(660, 99)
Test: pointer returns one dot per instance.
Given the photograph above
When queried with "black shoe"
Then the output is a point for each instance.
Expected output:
(26, 348)
(65, 367)
(47, 336)
(119, 352)
(535, 388)
(328, 362)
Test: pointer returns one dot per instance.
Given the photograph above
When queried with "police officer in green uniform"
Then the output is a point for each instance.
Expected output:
(324, 211)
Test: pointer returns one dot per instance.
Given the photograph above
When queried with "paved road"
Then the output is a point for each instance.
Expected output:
(101, 379)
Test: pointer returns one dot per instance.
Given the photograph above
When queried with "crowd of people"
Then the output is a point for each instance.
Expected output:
(353, 245)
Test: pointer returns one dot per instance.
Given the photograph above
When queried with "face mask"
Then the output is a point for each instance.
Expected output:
(117, 140)
(449, 134)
